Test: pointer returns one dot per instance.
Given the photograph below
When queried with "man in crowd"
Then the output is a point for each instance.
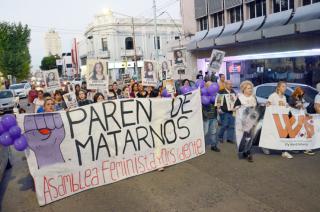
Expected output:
(116, 90)
(221, 82)
(225, 105)
(199, 75)
(32, 95)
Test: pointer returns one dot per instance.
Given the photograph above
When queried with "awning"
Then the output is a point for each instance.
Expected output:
(252, 24)
(196, 38)
(231, 29)
(306, 13)
(277, 19)
(214, 32)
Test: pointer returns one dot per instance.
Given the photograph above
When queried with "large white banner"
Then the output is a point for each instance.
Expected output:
(285, 128)
(102, 143)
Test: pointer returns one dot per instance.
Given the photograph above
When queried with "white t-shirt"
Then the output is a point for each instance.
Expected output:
(317, 99)
(37, 103)
(276, 100)
(247, 101)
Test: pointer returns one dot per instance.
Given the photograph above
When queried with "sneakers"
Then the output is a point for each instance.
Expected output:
(286, 155)
(309, 152)
(215, 149)
(266, 151)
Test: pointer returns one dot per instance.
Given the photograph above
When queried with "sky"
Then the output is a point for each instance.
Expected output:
(71, 17)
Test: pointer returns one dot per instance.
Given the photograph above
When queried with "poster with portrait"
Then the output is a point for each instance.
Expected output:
(179, 63)
(216, 60)
(165, 70)
(51, 80)
(97, 74)
(149, 73)
(229, 99)
(169, 85)
(71, 100)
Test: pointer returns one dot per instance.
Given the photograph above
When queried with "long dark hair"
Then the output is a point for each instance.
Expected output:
(94, 76)
(96, 96)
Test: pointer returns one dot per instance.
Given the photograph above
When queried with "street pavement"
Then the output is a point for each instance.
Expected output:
(212, 182)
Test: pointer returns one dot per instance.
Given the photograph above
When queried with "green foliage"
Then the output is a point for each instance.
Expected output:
(14, 51)
(49, 62)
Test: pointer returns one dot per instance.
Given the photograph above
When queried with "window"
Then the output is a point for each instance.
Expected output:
(104, 44)
(156, 44)
(306, 2)
(203, 23)
(218, 19)
(257, 8)
(265, 91)
(236, 14)
(282, 5)
(129, 43)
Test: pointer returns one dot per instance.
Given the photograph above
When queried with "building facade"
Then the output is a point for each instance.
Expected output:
(52, 42)
(264, 40)
(121, 40)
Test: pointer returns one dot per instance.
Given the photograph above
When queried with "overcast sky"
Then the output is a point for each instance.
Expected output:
(70, 17)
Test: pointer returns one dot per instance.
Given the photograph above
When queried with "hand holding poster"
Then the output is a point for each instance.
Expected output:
(52, 80)
(216, 60)
(286, 128)
(109, 141)
(149, 73)
(97, 74)
(70, 100)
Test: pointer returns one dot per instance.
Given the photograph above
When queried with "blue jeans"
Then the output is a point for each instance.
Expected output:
(210, 130)
(227, 124)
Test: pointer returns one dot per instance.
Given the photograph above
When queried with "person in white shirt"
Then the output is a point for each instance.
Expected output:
(279, 99)
(39, 101)
(317, 100)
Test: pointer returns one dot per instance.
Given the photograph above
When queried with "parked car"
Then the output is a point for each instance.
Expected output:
(4, 160)
(8, 100)
(263, 91)
(21, 89)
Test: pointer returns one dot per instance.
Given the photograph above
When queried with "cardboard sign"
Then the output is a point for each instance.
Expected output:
(102, 143)
(97, 71)
(149, 73)
(71, 100)
(52, 80)
(216, 60)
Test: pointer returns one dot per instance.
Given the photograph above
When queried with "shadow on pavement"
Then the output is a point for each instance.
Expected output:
(4, 184)
(26, 183)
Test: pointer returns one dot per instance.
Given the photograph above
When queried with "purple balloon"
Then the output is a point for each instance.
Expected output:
(204, 92)
(200, 83)
(164, 93)
(212, 99)
(5, 139)
(15, 132)
(185, 89)
(213, 89)
(2, 128)
(205, 100)
(20, 144)
(8, 121)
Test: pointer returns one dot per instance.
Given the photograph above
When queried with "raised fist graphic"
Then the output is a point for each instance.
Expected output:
(45, 133)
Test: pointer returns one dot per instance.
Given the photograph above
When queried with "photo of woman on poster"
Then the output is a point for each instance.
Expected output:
(97, 72)
(178, 58)
(148, 71)
(164, 70)
(52, 79)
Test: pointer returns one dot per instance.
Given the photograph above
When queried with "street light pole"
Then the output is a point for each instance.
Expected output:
(155, 29)
(134, 46)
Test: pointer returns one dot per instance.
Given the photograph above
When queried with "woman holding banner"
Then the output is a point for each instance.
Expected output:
(248, 115)
(296, 101)
(279, 99)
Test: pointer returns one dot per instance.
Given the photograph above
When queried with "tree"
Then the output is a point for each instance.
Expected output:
(49, 62)
(14, 51)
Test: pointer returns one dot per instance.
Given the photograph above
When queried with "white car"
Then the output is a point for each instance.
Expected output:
(21, 89)
(8, 101)
(263, 92)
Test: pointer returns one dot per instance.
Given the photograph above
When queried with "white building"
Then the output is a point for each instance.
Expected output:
(52, 43)
(111, 36)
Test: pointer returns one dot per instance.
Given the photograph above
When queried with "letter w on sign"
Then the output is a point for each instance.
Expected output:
(293, 126)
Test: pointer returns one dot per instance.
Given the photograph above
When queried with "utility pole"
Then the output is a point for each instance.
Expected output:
(134, 46)
(155, 29)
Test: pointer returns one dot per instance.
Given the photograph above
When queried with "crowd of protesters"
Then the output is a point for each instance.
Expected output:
(218, 119)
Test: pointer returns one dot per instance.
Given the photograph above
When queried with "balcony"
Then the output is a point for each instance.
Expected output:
(131, 52)
(99, 53)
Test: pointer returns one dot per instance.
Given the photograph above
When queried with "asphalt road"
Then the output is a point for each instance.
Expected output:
(212, 182)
